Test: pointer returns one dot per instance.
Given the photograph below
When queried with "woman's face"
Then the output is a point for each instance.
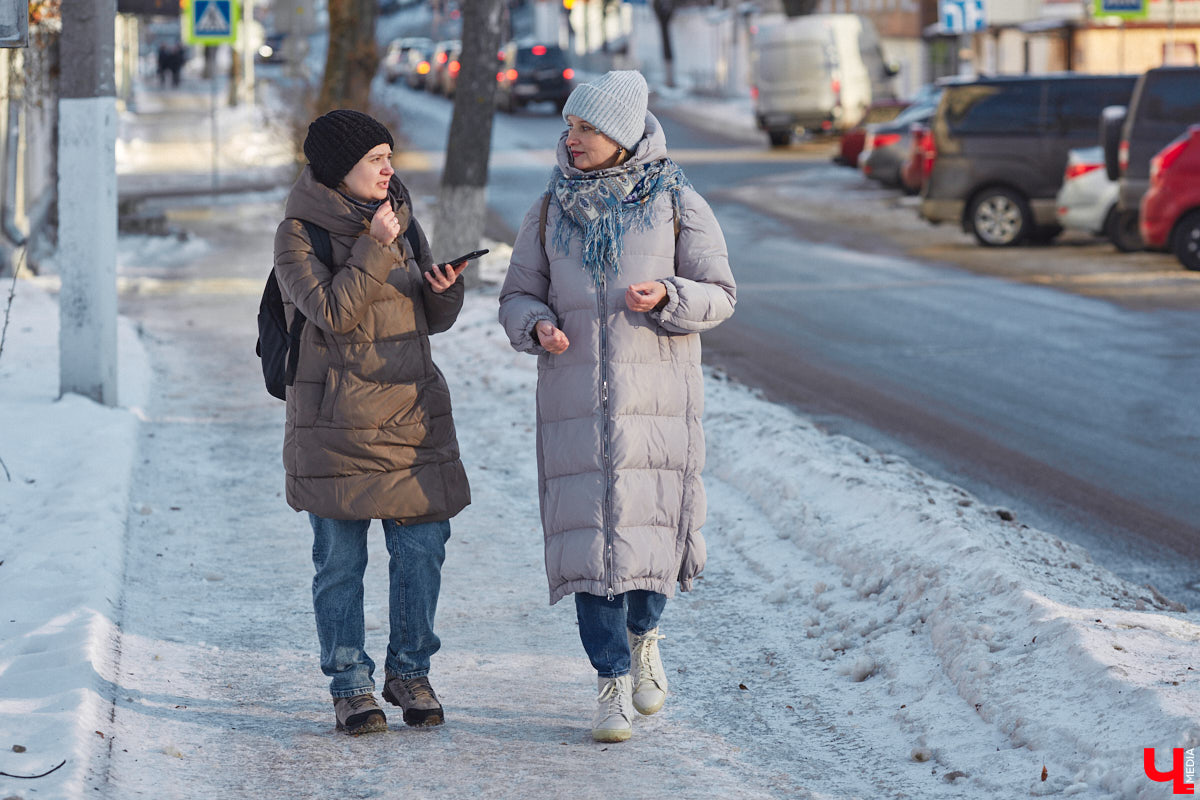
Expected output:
(369, 178)
(589, 148)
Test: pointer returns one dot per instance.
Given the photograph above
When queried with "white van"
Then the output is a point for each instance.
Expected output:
(818, 72)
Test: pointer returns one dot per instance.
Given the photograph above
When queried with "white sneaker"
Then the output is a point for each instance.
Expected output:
(649, 677)
(614, 718)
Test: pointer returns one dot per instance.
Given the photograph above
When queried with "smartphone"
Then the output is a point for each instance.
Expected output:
(467, 257)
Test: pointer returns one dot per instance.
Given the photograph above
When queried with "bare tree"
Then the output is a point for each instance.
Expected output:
(461, 208)
(352, 58)
(664, 10)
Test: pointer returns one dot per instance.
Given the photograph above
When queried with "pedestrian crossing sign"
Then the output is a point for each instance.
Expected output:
(210, 21)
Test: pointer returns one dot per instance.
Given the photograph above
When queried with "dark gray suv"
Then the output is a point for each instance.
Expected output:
(1165, 101)
(1002, 147)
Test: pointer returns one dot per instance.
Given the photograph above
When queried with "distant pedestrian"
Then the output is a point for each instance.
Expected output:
(369, 430)
(613, 275)
(175, 57)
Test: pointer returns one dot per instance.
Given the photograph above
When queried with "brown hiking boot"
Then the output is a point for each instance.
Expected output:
(416, 697)
(359, 714)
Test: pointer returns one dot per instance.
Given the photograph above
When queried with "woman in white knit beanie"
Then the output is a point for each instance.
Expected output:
(614, 273)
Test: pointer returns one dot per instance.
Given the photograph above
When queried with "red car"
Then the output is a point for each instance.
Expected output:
(853, 140)
(1170, 210)
(916, 168)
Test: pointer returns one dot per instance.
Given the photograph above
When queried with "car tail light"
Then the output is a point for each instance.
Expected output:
(453, 67)
(423, 68)
(568, 73)
(442, 58)
(928, 151)
(499, 77)
(539, 50)
(879, 140)
(836, 85)
(1166, 157)
(826, 125)
(1123, 156)
(753, 92)
(1075, 170)
(511, 75)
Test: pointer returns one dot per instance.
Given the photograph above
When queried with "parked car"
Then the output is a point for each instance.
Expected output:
(1122, 228)
(1087, 200)
(395, 59)
(1165, 101)
(919, 161)
(1170, 210)
(851, 144)
(819, 72)
(888, 143)
(531, 72)
(1002, 145)
(271, 49)
(439, 62)
(418, 63)
(448, 75)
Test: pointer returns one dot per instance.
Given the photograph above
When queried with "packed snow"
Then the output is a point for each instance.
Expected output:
(863, 630)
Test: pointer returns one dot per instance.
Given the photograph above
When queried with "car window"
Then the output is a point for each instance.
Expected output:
(1171, 97)
(540, 56)
(995, 107)
(1077, 103)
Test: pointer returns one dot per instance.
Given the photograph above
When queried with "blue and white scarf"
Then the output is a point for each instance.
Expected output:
(600, 206)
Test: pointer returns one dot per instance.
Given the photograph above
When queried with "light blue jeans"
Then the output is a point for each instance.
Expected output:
(602, 624)
(416, 553)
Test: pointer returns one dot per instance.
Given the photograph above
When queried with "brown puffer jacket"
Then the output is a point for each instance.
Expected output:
(369, 431)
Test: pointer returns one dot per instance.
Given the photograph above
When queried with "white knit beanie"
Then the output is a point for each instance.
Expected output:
(615, 104)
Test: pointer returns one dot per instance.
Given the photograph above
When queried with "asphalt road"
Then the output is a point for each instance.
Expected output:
(1074, 411)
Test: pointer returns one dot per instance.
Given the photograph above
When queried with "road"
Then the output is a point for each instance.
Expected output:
(1074, 412)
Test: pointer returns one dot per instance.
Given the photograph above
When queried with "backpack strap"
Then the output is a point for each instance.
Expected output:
(542, 220)
(323, 250)
(414, 240)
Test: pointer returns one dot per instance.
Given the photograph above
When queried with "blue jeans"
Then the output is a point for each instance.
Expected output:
(416, 553)
(602, 625)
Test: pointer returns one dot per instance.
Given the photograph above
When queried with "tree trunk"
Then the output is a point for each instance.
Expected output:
(462, 208)
(352, 58)
(663, 9)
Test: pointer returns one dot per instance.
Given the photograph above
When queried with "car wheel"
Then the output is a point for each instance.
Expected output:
(1186, 241)
(1000, 217)
(780, 138)
(1121, 227)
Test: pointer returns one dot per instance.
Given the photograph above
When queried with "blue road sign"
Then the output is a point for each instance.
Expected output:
(1121, 8)
(210, 21)
(961, 16)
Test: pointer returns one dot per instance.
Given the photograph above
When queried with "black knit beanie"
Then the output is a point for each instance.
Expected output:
(338, 140)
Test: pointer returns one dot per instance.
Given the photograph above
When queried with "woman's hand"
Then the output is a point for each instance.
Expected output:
(384, 225)
(443, 276)
(645, 296)
(551, 338)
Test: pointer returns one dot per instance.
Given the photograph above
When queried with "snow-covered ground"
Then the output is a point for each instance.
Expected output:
(863, 630)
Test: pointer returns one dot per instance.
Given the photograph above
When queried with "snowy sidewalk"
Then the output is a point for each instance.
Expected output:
(862, 630)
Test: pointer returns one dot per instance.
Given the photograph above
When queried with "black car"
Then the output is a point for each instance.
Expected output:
(1002, 145)
(1165, 101)
(533, 73)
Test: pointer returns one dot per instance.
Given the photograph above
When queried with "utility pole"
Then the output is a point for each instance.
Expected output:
(87, 201)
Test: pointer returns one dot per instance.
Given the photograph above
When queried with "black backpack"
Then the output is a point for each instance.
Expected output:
(278, 346)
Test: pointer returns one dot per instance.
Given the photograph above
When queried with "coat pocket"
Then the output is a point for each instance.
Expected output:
(329, 399)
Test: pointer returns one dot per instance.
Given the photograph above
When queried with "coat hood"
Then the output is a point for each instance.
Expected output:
(651, 147)
(327, 208)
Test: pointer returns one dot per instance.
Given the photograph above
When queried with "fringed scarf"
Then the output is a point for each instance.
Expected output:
(600, 206)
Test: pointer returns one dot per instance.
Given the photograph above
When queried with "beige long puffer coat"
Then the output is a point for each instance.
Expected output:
(369, 430)
(619, 441)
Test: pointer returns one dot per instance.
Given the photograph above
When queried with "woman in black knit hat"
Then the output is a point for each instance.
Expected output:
(369, 431)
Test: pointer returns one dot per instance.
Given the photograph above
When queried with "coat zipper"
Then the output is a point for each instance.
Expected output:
(601, 302)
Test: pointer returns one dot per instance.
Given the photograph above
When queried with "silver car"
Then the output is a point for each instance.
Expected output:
(1087, 198)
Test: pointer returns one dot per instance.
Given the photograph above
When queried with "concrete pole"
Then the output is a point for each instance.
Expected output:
(87, 201)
